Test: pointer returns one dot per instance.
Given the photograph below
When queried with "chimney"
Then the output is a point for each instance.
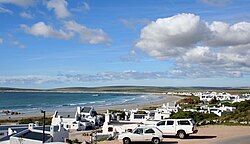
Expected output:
(107, 118)
(36, 123)
(31, 126)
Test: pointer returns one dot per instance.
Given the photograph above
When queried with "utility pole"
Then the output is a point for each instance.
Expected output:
(42, 111)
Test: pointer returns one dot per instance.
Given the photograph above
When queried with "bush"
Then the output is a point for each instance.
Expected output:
(198, 117)
(241, 114)
(33, 120)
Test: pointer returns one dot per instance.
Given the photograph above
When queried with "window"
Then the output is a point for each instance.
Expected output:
(170, 122)
(1, 134)
(149, 131)
(183, 122)
(138, 131)
(110, 129)
(161, 123)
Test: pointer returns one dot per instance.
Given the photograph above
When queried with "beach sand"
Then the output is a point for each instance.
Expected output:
(170, 99)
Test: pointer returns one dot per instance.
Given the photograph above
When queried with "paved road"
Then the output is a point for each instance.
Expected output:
(235, 140)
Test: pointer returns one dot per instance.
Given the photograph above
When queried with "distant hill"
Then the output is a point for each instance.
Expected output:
(151, 89)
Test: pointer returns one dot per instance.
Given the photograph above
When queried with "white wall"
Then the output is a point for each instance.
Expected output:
(17, 140)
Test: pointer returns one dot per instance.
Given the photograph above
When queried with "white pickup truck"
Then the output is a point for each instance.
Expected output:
(179, 127)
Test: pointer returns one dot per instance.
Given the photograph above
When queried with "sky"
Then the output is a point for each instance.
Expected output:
(88, 43)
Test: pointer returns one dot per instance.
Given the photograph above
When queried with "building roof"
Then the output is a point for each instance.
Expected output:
(5, 138)
(67, 114)
(19, 129)
(34, 136)
(47, 128)
(13, 126)
(86, 109)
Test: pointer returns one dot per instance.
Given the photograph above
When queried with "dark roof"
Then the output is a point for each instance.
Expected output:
(47, 128)
(13, 126)
(5, 138)
(67, 114)
(19, 129)
(34, 136)
(86, 109)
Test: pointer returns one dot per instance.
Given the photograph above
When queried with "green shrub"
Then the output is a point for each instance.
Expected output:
(198, 117)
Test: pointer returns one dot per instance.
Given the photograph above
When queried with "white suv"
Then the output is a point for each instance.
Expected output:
(179, 127)
(142, 134)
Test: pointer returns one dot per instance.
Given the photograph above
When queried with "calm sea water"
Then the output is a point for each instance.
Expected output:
(28, 102)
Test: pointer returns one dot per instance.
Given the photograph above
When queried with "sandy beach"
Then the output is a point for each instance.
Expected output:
(170, 99)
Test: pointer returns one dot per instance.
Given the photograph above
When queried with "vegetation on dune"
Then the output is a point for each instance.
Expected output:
(28, 120)
(32, 120)
(150, 108)
(198, 117)
(241, 114)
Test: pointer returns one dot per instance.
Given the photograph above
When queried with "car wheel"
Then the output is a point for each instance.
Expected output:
(126, 141)
(155, 140)
(181, 134)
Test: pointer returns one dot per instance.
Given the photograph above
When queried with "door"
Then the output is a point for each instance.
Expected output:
(170, 127)
(149, 133)
(162, 126)
(138, 135)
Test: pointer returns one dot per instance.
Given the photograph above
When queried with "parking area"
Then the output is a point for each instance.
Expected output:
(206, 134)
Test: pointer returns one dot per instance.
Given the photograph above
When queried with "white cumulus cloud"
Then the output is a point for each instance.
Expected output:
(223, 34)
(59, 7)
(41, 29)
(169, 37)
(199, 48)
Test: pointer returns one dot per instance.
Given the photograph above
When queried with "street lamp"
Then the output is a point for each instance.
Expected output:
(42, 111)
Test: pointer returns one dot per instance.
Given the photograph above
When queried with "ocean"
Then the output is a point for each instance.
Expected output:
(32, 102)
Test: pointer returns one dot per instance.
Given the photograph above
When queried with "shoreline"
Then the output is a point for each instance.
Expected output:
(165, 98)
(105, 92)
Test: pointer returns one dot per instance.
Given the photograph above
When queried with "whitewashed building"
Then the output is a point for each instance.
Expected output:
(34, 135)
(84, 118)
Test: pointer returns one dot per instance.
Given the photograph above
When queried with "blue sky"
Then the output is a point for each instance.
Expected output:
(61, 43)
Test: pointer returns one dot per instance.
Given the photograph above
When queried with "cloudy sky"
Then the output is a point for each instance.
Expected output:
(61, 43)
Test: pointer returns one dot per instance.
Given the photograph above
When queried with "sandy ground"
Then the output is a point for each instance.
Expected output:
(206, 135)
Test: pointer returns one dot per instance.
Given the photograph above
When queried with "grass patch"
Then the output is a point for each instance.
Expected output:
(28, 120)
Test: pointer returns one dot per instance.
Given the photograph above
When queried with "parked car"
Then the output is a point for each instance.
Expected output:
(142, 134)
(179, 127)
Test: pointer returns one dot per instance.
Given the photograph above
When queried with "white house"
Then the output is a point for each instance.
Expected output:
(34, 135)
(8, 130)
(84, 118)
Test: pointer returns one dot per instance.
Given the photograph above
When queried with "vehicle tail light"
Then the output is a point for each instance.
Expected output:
(192, 128)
